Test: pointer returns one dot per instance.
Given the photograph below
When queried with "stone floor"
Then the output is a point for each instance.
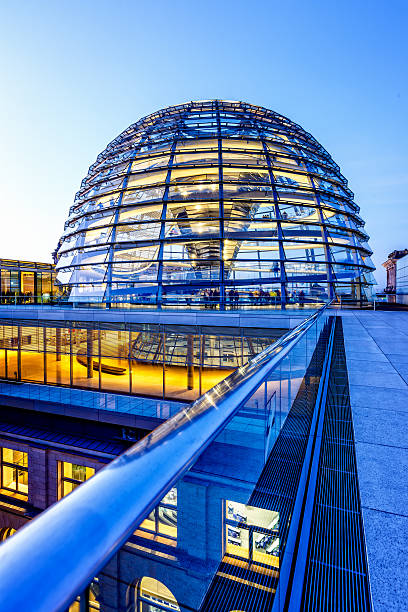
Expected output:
(377, 359)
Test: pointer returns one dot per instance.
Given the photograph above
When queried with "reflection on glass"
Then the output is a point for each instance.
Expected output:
(154, 596)
(252, 533)
(163, 519)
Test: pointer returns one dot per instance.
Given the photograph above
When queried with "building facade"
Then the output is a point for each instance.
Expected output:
(397, 277)
(214, 203)
(27, 282)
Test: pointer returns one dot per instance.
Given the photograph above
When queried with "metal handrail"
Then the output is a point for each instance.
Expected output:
(54, 557)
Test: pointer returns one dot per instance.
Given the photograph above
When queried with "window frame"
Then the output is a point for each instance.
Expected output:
(17, 468)
(74, 481)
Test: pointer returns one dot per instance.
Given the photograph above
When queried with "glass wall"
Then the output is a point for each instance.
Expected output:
(174, 362)
(233, 508)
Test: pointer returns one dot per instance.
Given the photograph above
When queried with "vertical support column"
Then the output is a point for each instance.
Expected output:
(71, 374)
(58, 344)
(221, 210)
(37, 281)
(19, 343)
(358, 291)
(37, 477)
(162, 236)
(99, 360)
(329, 259)
(108, 290)
(200, 373)
(190, 361)
(164, 363)
(278, 218)
(89, 353)
(130, 361)
(17, 295)
(45, 354)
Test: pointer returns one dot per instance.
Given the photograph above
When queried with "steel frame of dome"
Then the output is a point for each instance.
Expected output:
(213, 195)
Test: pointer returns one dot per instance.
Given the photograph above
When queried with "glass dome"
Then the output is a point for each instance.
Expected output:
(213, 203)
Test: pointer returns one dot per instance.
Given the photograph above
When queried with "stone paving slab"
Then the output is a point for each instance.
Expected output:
(383, 380)
(389, 532)
(361, 396)
(376, 346)
(379, 426)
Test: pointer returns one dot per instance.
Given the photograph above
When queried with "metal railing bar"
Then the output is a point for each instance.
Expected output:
(286, 578)
(300, 557)
(55, 557)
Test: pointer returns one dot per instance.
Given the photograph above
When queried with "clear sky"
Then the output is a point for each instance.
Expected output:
(74, 74)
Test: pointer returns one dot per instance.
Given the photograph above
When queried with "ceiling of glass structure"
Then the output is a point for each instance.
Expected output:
(213, 197)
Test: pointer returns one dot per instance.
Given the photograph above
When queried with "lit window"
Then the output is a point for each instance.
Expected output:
(71, 476)
(163, 519)
(6, 532)
(252, 533)
(155, 596)
(14, 473)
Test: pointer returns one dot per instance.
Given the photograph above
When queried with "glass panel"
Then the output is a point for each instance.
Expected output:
(167, 521)
(149, 163)
(68, 487)
(9, 477)
(19, 458)
(237, 542)
(22, 478)
(28, 289)
(146, 178)
(3, 371)
(32, 366)
(114, 361)
(155, 596)
(196, 158)
(171, 497)
(84, 363)
(266, 548)
(150, 523)
(194, 192)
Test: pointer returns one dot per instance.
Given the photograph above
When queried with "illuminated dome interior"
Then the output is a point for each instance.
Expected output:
(213, 196)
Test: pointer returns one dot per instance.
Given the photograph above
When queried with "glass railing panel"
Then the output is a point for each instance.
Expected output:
(222, 526)
(221, 530)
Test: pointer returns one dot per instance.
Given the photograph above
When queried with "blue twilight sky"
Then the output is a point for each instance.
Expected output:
(74, 74)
